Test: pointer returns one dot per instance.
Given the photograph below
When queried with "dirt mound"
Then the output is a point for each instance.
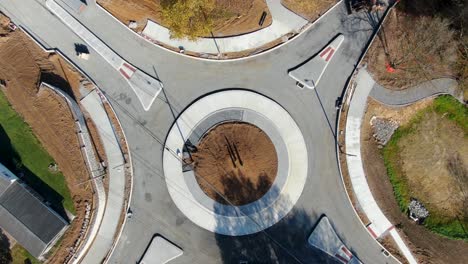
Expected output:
(237, 161)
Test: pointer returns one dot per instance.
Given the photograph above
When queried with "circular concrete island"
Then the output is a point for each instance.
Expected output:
(235, 162)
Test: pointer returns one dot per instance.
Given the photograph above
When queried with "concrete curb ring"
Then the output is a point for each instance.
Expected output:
(238, 106)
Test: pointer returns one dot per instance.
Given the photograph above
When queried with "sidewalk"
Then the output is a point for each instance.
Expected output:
(416, 93)
(116, 173)
(379, 223)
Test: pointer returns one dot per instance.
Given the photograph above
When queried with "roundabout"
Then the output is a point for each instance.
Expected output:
(190, 186)
(270, 165)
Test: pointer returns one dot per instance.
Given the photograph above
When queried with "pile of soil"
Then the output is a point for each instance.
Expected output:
(427, 246)
(23, 65)
(235, 161)
(235, 16)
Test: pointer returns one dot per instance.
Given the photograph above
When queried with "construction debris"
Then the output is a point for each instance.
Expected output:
(84, 228)
(417, 212)
(132, 24)
(383, 129)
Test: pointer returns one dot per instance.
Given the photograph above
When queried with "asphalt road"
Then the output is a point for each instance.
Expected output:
(186, 79)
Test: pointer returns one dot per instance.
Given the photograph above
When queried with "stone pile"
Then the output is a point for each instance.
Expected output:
(84, 228)
(383, 129)
(417, 211)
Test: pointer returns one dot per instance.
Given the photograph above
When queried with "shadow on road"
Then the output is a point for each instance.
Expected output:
(284, 242)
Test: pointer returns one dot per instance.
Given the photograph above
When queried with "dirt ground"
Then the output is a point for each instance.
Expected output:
(427, 246)
(309, 9)
(23, 65)
(436, 141)
(239, 17)
(420, 49)
(236, 159)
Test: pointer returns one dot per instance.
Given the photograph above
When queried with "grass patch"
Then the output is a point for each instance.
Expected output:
(21, 151)
(22, 256)
(454, 110)
(445, 106)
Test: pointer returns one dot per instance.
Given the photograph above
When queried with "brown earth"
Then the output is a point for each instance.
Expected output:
(427, 151)
(237, 161)
(239, 17)
(23, 65)
(427, 246)
(421, 49)
(309, 9)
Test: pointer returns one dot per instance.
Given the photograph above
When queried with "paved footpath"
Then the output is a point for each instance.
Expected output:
(116, 173)
(379, 225)
(414, 94)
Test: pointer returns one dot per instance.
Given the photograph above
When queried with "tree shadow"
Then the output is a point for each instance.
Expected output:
(454, 10)
(5, 252)
(241, 190)
(10, 158)
(365, 21)
(284, 242)
(425, 7)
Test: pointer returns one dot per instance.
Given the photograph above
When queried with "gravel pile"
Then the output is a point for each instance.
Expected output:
(417, 210)
(383, 129)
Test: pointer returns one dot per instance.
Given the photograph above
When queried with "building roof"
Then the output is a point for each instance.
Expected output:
(6, 178)
(32, 223)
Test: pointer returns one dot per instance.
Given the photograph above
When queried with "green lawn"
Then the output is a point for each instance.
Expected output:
(20, 150)
(21, 256)
(446, 106)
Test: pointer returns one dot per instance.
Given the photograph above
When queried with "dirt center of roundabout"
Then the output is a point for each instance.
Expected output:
(236, 161)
